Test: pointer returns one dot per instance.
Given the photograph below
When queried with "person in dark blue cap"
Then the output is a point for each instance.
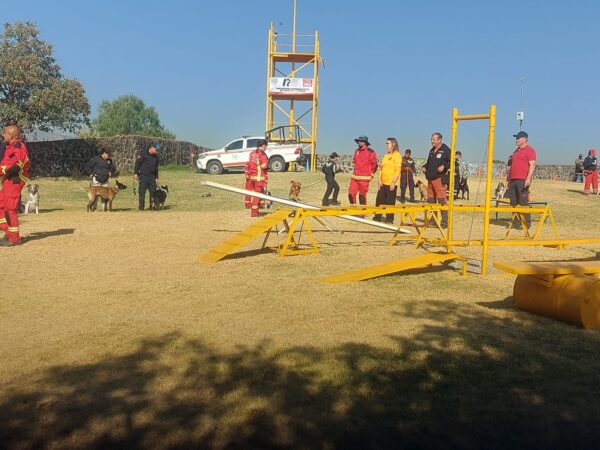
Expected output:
(520, 174)
(146, 172)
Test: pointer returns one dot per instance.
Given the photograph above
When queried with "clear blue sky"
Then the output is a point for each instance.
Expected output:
(392, 68)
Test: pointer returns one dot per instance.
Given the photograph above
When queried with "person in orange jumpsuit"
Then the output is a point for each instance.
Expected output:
(14, 169)
(256, 176)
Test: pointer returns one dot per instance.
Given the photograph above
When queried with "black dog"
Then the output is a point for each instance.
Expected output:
(159, 198)
(463, 188)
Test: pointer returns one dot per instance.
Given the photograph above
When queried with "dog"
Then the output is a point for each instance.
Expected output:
(422, 190)
(105, 193)
(159, 197)
(500, 191)
(33, 199)
(295, 187)
(268, 203)
(463, 188)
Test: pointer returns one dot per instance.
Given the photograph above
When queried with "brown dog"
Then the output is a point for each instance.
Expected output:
(422, 190)
(107, 194)
(295, 187)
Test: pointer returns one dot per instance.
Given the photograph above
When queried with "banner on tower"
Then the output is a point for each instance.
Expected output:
(292, 87)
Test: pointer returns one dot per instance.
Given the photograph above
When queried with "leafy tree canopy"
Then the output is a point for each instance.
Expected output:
(128, 114)
(33, 92)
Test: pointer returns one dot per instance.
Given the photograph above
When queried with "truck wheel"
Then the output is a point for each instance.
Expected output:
(277, 164)
(214, 168)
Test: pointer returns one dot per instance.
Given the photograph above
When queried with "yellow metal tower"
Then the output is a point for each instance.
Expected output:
(293, 88)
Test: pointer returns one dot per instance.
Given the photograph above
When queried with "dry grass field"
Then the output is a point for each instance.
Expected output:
(112, 334)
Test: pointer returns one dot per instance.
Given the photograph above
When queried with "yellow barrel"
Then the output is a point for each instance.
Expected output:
(574, 299)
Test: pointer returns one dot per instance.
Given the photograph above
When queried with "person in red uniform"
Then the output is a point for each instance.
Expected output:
(14, 169)
(520, 174)
(256, 175)
(365, 166)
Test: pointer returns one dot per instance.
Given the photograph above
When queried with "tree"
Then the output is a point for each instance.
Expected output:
(128, 114)
(33, 92)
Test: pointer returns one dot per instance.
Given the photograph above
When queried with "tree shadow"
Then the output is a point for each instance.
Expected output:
(466, 378)
(45, 234)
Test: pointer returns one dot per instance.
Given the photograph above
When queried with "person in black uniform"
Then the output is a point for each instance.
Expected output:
(330, 168)
(101, 168)
(146, 172)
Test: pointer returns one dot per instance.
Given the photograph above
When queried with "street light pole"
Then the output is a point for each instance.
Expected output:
(521, 114)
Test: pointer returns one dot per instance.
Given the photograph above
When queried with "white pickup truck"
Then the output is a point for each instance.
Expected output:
(235, 155)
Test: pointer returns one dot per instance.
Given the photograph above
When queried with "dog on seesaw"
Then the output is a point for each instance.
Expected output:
(32, 200)
(107, 194)
(160, 196)
(500, 191)
(295, 187)
(463, 189)
(422, 190)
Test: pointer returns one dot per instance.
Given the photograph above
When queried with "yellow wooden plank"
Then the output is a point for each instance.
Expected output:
(248, 234)
(392, 267)
(549, 267)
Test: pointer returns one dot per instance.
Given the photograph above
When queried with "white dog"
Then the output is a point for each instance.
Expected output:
(33, 199)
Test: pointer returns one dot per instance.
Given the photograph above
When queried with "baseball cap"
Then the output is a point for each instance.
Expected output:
(333, 155)
(521, 134)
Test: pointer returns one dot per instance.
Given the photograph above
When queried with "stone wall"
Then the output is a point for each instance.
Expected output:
(69, 157)
(542, 172)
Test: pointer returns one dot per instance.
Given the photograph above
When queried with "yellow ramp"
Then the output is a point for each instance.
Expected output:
(246, 235)
(550, 267)
(393, 267)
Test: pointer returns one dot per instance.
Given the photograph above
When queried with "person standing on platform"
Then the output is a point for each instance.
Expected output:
(436, 171)
(520, 174)
(365, 166)
(389, 176)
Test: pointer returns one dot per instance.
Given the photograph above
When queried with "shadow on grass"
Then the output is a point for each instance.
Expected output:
(248, 253)
(465, 379)
(46, 234)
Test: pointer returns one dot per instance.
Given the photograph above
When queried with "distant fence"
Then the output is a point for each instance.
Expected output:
(69, 157)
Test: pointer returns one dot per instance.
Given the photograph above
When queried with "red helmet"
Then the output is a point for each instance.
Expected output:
(593, 152)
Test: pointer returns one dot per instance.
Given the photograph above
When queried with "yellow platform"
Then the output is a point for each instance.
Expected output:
(550, 267)
(248, 234)
(392, 267)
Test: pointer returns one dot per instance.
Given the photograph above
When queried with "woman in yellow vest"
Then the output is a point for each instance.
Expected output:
(389, 177)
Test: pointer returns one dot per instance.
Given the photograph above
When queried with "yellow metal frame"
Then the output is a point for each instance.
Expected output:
(288, 54)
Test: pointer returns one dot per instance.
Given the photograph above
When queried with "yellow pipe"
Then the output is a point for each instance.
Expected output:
(488, 190)
(452, 170)
(574, 299)
(315, 107)
(473, 117)
(268, 100)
